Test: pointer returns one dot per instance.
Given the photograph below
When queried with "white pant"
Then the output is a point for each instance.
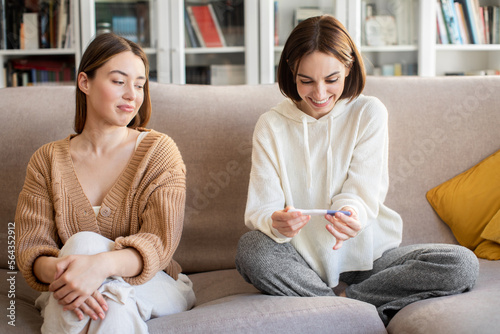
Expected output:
(129, 306)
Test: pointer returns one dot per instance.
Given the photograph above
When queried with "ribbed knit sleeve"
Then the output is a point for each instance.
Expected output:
(161, 212)
(367, 179)
(35, 228)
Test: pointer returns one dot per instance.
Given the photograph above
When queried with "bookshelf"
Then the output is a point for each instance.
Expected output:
(430, 56)
(482, 57)
(254, 32)
(419, 53)
(45, 48)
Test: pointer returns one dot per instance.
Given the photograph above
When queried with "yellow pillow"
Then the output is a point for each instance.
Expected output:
(469, 203)
(490, 247)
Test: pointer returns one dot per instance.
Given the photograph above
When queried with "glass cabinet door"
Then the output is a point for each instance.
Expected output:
(132, 19)
(278, 18)
(389, 36)
(216, 41)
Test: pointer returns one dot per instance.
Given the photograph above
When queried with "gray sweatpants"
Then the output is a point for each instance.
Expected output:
(401, 276)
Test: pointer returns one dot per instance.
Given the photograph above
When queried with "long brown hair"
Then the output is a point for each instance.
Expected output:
(99, 51)
(324, 34)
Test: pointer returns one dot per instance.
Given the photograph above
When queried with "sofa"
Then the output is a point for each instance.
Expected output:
(438, 128)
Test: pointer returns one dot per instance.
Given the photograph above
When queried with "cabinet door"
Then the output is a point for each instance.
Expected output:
(279, 17)
(389, 36)
(215, 42)
(135, 20)
(39, 42)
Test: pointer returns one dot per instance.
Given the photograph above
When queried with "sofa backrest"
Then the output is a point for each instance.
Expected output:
(439, 127)
(213, 128)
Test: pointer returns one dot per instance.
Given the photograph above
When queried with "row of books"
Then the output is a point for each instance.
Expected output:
(39, 71)
(216, 24)
(479, 72)
(396, 69)
(466, 22)
(35, 24)
(226, 74)
(396, 24)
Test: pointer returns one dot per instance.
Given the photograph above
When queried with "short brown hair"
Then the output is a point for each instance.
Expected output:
(99, 51)
(324, 34)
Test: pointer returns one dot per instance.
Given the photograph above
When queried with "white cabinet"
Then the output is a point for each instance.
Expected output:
(414, 51)
(254, 32)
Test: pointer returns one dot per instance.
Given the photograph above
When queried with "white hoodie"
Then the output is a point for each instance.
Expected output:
(338, 160)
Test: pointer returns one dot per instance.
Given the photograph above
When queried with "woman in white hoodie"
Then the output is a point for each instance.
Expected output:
(325, 147)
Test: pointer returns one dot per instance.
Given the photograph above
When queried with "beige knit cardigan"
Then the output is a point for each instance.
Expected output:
(143, 210)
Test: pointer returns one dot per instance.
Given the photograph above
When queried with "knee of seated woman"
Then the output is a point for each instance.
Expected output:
(462, 267)
(258, 252)
(86, 243)
(251, 246)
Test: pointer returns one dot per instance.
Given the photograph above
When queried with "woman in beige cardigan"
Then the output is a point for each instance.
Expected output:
(101, 212)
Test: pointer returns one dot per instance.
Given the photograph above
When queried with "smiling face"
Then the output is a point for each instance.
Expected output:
(116, 93)
(320, 82)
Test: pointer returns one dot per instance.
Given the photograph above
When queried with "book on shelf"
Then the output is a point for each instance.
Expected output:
(13, 18)
(62, 23)
(3, 37)
(204, 22)
(467, 22)
(451, 22)
(231, 18)
(442, 34)
(29, 31)
(191, 37)
(462, 24)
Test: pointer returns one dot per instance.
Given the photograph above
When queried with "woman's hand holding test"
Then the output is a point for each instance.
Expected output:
(343, 227)
(289, 223)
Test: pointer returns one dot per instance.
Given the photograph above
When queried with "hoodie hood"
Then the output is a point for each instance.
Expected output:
(289, 109)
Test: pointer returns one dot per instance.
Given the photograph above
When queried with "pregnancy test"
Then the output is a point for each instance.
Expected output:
(316, 212)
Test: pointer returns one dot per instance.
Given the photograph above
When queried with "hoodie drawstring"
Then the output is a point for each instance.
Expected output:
(329, 154)
(307, 154)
